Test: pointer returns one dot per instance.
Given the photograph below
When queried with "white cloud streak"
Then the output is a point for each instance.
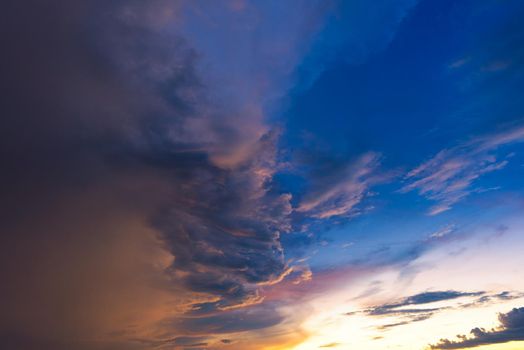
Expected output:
(340, 193)
(447, 178)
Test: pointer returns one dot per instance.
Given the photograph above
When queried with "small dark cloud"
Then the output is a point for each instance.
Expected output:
(407, 315)
(493, 298)
(330, 345)
(511, 329)
(430, 297)
(507, 295)
(419, 299)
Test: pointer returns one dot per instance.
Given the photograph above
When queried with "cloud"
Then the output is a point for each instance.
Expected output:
(339, 191)
(511, 329)
(138, 188)
(443, 232)
(240, 320)
(431, 297)
(419, 307)
(459, 63)
(493, 298)
(409, 319)
(226, 239)
(407, 309)
(419, 299)
(447, 178)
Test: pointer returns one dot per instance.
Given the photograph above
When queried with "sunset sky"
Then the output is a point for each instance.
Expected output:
(262, 174)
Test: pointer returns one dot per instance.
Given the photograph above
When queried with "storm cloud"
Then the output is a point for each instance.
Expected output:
(136, 191)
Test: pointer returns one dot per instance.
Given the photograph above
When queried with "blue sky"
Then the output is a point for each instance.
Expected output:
(446, 73)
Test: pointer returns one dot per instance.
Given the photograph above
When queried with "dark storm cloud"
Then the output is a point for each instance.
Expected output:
(64, 209)
(225, 232)
(113, 156)
(511, 329)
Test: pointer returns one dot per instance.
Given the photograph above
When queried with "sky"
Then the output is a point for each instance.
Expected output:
(262, 175)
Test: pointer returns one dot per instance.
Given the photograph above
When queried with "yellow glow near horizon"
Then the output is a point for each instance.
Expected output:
(338, 319)
(360, 332)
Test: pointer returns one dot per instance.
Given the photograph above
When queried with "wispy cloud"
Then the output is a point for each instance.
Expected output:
(447, 178)
(420, 299)
(422, 306)
(443, 232)
(339, 192)
(459, 63)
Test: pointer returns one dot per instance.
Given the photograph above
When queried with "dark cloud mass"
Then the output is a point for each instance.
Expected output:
(511, 329)
(124, 195)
